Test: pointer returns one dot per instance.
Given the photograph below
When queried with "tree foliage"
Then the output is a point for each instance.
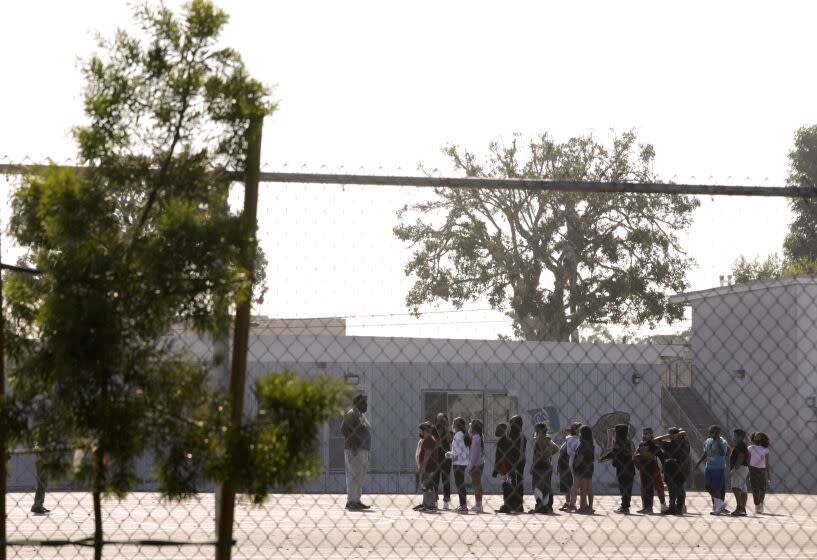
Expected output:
(801, 242)
(140, 239)
(554, 260)
(277, 449)
(772, 268)
(745, 270)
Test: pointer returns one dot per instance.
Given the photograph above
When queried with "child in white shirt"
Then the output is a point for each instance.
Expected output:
(759, 474)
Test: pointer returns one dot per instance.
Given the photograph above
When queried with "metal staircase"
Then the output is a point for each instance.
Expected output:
(684, 407)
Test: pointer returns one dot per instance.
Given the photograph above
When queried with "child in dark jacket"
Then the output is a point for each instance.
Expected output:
(502, 464)
(675, 456)
(519, 444)
(621, 457)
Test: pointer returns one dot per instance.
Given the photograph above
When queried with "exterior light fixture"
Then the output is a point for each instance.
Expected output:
(740, 373)
(351, 378)
(636, 379)
(811, 402)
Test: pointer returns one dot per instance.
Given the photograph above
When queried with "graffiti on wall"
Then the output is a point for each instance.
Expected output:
(550, 416)
(607, 421)
(547, 414)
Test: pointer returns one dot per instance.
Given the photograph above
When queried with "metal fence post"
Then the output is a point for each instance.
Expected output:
(238, 370)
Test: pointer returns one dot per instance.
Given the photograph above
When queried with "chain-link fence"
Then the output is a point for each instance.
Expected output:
(507, 416)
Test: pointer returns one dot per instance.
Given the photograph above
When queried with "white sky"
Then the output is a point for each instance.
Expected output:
(718, 88)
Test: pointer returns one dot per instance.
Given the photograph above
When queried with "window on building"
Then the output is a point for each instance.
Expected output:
(334, 453)
(490, 408)
(500, 407)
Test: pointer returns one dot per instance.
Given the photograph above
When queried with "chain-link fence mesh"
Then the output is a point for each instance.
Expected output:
(466, 440)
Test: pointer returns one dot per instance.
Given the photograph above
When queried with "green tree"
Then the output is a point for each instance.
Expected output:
(801, 242)
(139, 239)
(772, 268)
(555, 260)
(745, 270)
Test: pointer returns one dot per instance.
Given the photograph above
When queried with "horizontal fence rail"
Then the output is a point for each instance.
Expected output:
(492, 183)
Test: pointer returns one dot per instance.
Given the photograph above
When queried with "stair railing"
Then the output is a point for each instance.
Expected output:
(696, 439)
(676, 410)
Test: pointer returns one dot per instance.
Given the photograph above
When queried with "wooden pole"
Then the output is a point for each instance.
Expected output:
(3, 443)
(238, 370)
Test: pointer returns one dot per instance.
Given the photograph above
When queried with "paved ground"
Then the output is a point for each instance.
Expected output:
(317, 526)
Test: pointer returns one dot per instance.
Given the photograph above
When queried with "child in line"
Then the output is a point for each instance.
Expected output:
(583, 467)
(716, 449)
(502, 465)
(476, 463)
(570, 446)
(759, 474)
(621, 456)
(421, 505)
(651, 470)
(563, 471)
(675, 453)
(444, 436)
(428, 467)
(519, 444)
(645, 459)
(739, 471)
(459, 459)
(541, 469)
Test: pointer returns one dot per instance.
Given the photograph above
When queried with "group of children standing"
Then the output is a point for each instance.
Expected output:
(657, 460)
(748, 467)
(441, 449)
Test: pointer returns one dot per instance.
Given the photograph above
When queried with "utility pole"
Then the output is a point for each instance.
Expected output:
(238, 370)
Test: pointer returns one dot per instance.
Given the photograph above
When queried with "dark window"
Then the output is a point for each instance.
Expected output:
(334, 460)
(491, 408)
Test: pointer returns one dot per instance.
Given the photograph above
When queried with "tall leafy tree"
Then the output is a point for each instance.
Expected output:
(553, 260)
(772, 268)
(801, 242)
(746, 270)
(139, 239)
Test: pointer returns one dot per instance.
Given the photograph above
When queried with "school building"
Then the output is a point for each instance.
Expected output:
(754, 366)
(408, 380)
(750, 363)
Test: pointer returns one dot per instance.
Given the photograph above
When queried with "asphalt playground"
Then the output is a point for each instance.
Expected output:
(316, 526)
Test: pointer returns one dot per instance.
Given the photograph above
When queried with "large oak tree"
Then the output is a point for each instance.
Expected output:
(554, 261)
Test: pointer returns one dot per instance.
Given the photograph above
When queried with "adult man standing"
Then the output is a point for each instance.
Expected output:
(356, 432)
